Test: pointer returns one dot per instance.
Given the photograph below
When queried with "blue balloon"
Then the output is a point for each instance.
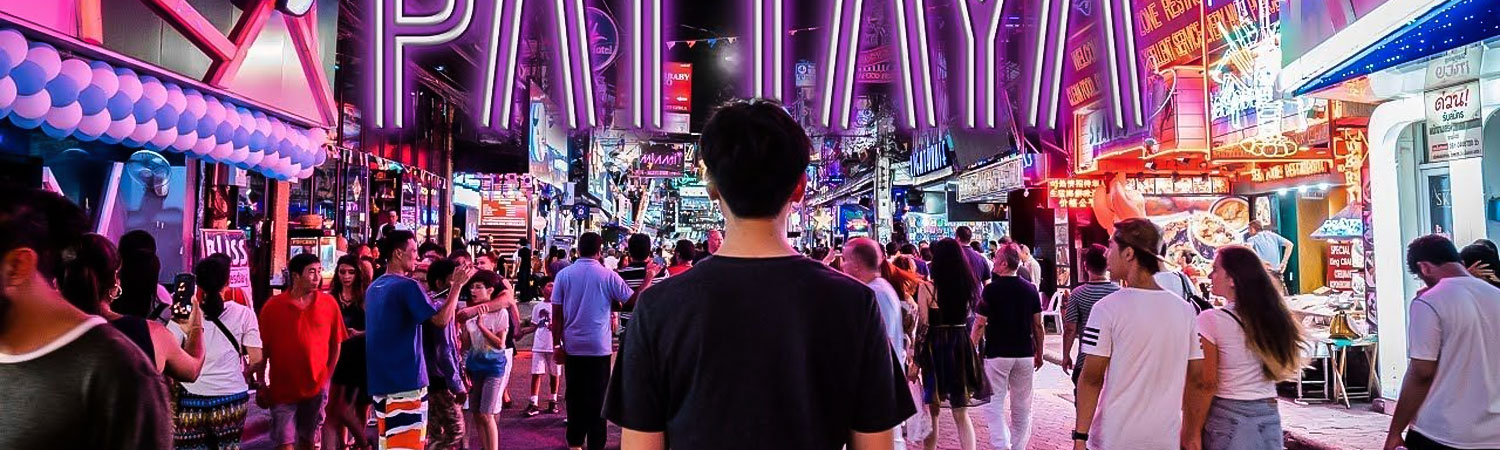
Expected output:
(206, 126)
(56, 133)
(105, 138)
(146, 106)
(242, 165)
(240, 138)
(223, 133)
(64, 91)
(166, 116)
(92, 100)
(186, 122)
(29, 76)
(23, 122)
(119, 106)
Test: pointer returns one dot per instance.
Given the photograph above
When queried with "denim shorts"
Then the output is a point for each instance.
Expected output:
(298, 422)
(1242, 425)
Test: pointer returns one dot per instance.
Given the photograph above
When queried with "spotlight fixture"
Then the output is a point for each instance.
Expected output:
(295, 7)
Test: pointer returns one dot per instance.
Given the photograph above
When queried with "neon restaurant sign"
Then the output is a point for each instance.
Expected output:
(398, 34)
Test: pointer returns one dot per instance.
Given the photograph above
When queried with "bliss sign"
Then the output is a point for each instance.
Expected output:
(496, 27)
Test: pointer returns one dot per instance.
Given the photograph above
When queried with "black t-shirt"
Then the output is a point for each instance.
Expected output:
(1009, 304)
(95, 390)
(755, 354)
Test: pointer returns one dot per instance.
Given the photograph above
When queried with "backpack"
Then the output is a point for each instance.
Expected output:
(1199, 303)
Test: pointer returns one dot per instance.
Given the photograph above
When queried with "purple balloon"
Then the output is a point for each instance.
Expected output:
(41, 65)
(7, 95)
(12, 50)
(94, 125)
(65, 118)
(103, 84)
(171, 108)
(195, 104)
(185, 141)
(32, 107)
(122, 104)
(213, 115)
(254, 158)
(153, 96)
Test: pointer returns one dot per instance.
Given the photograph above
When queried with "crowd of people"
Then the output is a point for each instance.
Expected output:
(748, 343)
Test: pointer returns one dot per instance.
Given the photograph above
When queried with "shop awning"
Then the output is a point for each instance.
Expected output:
(1347, 224)
(69, 95)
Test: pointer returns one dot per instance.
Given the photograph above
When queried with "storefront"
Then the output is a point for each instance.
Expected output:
(144, 119)
(1434, 130)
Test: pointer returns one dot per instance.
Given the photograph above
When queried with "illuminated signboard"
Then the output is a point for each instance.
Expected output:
(993, 182)
(929, 154)
(1073, 192)
(1185, 186)
(1295, 169)
(1170, 30)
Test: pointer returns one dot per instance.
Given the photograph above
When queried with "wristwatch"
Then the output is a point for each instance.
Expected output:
(1080, 436)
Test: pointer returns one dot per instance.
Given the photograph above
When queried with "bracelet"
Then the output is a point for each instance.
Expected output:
(1080, 436)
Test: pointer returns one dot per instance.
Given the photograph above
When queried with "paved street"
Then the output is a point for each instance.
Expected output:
(1308, 426)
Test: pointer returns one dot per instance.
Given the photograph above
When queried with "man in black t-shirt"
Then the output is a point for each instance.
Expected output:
(757, 347)
(1010, 319)
(68, 380)
(639, 274)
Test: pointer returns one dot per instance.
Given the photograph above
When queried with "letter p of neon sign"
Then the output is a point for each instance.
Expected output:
(397, 32)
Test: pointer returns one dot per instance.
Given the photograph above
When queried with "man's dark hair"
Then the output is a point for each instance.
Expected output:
(684, 251)
(589, 244)
(460, 253)
(1434, 249)
(908, 249)
(1142, 236)
(440, 270)
(300, 262)
(430, 246)
(1095, 259)
(1487, 244)
(963, 234)
(640, 246)
(755, 154)
(394, 240)
(44, 222)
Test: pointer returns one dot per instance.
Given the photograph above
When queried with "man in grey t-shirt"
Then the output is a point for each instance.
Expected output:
(67, 379)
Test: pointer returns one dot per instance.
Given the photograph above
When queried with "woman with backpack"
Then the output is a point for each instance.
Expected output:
(1248, 345)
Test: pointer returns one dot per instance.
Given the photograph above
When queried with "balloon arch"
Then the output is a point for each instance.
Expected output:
(94, 101)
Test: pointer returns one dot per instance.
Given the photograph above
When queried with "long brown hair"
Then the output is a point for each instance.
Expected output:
(357, 289)
(1270, 332)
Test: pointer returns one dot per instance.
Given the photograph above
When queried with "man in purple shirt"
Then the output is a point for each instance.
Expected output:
(977, 262)
(583, 295)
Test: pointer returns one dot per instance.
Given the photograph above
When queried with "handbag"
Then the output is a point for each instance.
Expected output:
(918, 426)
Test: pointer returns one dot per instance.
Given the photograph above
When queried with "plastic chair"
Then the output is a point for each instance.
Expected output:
(1054, 311)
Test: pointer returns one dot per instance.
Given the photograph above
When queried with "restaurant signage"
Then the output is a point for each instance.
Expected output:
(1288, 170)
(929, 154)
(1454, 123)
(1184, 186)
(660, 160)
(992, 182)
(1073, 192)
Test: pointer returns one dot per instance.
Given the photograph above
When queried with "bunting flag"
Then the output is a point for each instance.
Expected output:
(690, 43)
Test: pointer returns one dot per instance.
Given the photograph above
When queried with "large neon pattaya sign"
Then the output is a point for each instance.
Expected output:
(399, 34)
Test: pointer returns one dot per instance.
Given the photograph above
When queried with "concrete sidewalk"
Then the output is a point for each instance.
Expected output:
(1306, 426)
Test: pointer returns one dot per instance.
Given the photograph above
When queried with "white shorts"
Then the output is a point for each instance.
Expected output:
(542, 363)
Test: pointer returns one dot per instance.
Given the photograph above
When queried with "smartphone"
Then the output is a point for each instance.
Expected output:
(183, 289)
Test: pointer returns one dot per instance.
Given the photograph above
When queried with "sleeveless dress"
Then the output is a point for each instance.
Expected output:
(952, 371)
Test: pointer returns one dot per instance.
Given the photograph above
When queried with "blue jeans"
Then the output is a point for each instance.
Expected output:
(1242, 425)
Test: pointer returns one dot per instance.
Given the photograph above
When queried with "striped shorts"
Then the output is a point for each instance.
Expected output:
(401, 420)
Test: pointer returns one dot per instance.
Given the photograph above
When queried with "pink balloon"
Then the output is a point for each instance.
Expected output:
(130, 85)
(231, 116)
(13, 47)
(78, 70)
(264, 125)
(176, 99)
(120, 129)
(94, 125)
(105, 80)
(185, 141)
(213, 110)
(221, 152)
(318, 136)
(239, 155)
(254, 158)
(203, 146)
(47, 58)
(65, 118)
(195, 104)
(7, 92)
(34, 106)
(305, 173)
(144, 132)
(165, 137)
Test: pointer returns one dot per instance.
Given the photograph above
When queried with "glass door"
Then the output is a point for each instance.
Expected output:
(1437, 189)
